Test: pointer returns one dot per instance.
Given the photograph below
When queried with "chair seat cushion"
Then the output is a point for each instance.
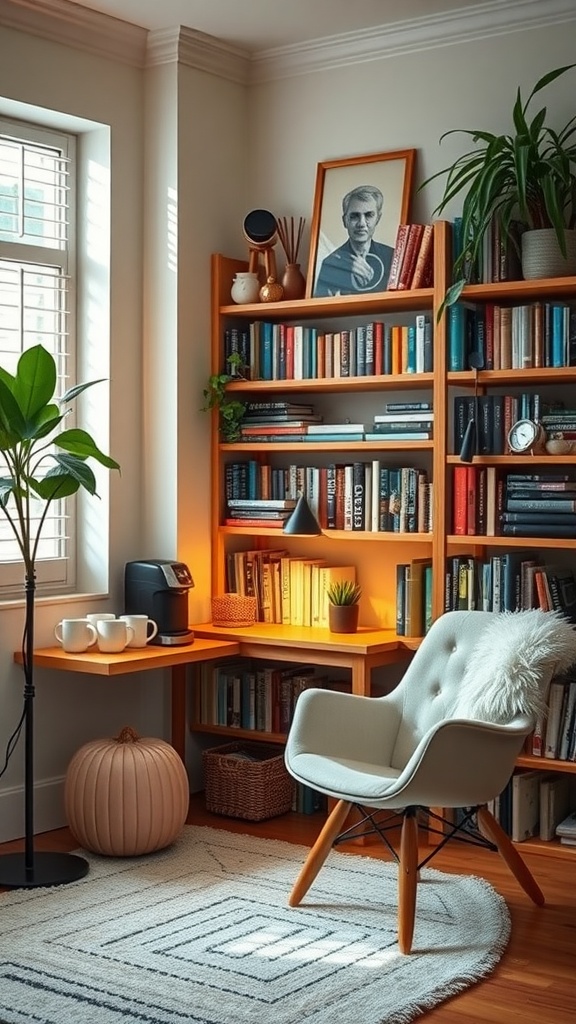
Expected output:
(512, 663)
(344, 778)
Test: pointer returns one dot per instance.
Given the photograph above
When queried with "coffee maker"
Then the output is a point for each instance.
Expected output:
(159, 589)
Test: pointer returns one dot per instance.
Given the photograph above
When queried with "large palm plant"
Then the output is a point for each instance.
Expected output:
(42, 464)
(529, 175)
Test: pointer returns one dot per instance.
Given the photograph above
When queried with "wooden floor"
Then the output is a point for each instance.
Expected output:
(535, 982)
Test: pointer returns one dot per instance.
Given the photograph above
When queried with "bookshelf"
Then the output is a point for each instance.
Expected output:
(377, 554)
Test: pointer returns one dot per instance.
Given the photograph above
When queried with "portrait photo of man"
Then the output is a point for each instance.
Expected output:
(359, 203)
(361, 264)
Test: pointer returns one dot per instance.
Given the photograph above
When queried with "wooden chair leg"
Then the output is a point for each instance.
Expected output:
(407, 879)
(493, 831)
(319, 852)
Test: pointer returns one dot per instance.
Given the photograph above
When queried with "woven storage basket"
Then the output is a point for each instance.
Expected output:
(243, 788)
(233, 610)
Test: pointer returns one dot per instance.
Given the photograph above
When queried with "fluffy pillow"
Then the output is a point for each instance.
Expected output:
(511, 665)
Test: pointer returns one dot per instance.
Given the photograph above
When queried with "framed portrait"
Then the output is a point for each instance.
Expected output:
(358, 204)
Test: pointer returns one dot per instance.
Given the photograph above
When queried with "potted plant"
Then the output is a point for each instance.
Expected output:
(30, 441)
(343, 608)
(528, 175)
(230, 409)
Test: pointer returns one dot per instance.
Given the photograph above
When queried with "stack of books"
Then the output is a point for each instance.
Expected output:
(403, 421)
(259, 512)
(276, 421)
(539, 505)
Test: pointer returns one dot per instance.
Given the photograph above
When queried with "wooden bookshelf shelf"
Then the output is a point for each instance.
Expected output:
(377, 555)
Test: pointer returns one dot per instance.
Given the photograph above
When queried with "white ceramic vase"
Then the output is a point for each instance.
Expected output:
(541, 256)
(245, 287)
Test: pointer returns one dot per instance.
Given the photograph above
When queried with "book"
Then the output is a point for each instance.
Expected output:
(398, 256)
(556, 696)
(408, 265)
(424, 258)
(525, 804)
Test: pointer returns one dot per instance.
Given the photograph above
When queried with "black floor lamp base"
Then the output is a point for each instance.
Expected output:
(47, 869)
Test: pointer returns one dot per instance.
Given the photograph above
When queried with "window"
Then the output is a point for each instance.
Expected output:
(37, 267)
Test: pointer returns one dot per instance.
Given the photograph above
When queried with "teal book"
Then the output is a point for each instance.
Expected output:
(457, 337)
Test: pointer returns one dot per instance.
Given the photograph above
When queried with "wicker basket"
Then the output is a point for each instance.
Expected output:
(254, 785)
(233, 610)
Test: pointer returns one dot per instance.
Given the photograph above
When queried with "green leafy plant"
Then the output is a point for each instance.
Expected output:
(343, 592)
(216, 396)
(41, 463)
(528, 175)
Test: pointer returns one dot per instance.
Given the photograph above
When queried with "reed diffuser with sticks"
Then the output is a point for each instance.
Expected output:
(290, 236)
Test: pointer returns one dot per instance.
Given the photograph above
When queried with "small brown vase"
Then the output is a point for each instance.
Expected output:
(293, 282)
(343, 618)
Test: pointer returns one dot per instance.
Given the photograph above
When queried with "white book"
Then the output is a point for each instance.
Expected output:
(525, 805)
(340, 428)
(422, 416)
(298, 352)
(568, 723)
(555, 698)
(375, 496)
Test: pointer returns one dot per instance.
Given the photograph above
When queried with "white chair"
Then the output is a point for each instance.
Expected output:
(446, 737)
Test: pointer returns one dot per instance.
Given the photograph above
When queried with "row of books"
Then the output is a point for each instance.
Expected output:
(409, 427)
(282, 351)
(511, 581)
(414, 597)
(499, 259)
(288, 590)
(487, 502)
(536, 803)
(496, 414)
(252, 695)
(356, 496)
(555, 732)
(536, 334)
(412, 263)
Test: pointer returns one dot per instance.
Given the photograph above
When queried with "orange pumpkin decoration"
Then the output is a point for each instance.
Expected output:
(126, 796)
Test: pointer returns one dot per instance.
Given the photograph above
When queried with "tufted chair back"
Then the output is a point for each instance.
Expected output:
(430, 687)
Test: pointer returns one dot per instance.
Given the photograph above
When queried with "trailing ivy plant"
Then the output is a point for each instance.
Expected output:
(216, 396)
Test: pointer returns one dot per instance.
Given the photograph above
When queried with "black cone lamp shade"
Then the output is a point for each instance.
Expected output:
(469, 446)
(302, 522)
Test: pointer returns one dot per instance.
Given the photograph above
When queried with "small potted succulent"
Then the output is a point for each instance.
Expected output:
(343, 607)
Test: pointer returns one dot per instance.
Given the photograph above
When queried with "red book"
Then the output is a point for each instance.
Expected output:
(399, 247)
(471, 500)
(460, 500)
(298, 427)
(289, 352)
(378, 348)
(272, 524)
(424, 259)
(415, 232)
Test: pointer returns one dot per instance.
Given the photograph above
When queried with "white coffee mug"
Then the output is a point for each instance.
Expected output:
(145, 629)
(113, 635)
(94, 617)
(75, 635)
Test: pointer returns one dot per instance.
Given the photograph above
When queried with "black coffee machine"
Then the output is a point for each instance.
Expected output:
(159, 589)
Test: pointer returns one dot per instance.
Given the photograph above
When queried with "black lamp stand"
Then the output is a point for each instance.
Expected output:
(33, 869)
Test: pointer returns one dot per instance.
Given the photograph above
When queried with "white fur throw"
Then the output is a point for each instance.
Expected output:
(511, 666)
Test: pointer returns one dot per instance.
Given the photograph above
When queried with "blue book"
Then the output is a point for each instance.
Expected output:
(266, 350)
(558, 340)
(457, 340)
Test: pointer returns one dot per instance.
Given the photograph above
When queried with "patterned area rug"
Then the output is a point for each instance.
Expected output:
(201, 933)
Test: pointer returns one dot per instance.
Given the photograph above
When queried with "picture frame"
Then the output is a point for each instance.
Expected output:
(353, 233)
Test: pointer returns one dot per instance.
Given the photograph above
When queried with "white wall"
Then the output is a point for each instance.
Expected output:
(228, 150)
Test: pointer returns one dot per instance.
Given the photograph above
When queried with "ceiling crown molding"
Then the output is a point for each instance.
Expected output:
(200, 51)
(63, 22)
(491, 18)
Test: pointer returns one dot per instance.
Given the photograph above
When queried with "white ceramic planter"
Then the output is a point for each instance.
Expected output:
(541, 256)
